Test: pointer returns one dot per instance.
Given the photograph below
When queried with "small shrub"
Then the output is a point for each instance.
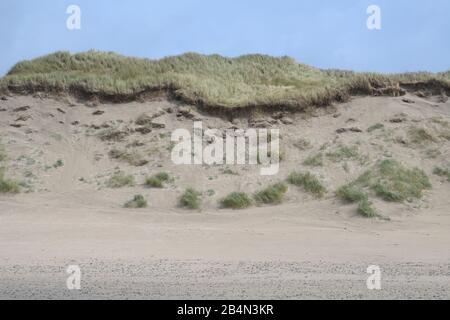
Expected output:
(376, 126)
(308, 182)
(272, 194)
(314, 161)
(119, 180)
(137, 202)
(236, 200)
(190, 199)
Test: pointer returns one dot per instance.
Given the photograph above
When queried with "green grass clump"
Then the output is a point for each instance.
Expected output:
(7, 185)
(190, 199)
(208, 80)
(157, 180)
(314, 160)
(272, 194)
(308, 182)
(366, 209)
(119, 180)
(343, 153)
(351, 194)
(376, 126)
(236, 200)
(137, 202)
(442, 172)
(391, 181)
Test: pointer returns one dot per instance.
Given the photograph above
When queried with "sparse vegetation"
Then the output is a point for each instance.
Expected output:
(59, 163)
(272, 194)
(351, 194)
(366, 209)
(246, 81)
(8, 185)
(376, 126)
(134, 158)
(236, 200)
(137, 202)
(342, 153)
(391, 181)
(442, 172)
(190, 199)
(302, 144)
(157, 180)
(314, 160)
(120, 180)
(2, 154)
(420, 136)
(308, 182)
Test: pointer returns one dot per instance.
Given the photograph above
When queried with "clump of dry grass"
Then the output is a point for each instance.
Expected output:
(210, 81)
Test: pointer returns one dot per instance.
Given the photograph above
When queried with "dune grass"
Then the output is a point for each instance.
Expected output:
(391, 181)
(236, 200)
(342, 153)
(366, 209)
(190, 199)
(137, 202)
(120, 180)
(271, 194)
(308, 182)
(351, 194)
(8, 185)
(132, 157)
(206, 80)
(314, 160)
(442, 172)
(157, 180)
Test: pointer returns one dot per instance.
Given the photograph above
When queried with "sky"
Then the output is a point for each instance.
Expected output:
(414, 34)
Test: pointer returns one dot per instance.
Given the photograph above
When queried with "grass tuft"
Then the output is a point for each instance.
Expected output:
(366, 209)
(137, 202)
(442, 172)
(374, 127)
(272, 194)
(7, 185)
(351, 194)
(236, 200)
(157, 180)
(314, 160)
(391, 181)
(190, 199)
(120, 180)
(343, 153)
(308, 182)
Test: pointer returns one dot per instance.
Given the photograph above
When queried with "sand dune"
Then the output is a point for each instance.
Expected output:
(66, 213)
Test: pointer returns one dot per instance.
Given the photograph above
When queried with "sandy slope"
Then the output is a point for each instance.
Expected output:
(303, 248)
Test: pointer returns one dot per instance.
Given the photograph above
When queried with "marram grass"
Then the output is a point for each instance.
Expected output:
(205, 80)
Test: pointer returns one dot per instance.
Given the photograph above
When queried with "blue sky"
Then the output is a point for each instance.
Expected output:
(327, 33)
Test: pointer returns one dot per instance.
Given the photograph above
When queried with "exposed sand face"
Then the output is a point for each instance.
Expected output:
(302, 248)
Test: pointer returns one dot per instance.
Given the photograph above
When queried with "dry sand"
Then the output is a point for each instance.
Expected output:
(303, 248)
